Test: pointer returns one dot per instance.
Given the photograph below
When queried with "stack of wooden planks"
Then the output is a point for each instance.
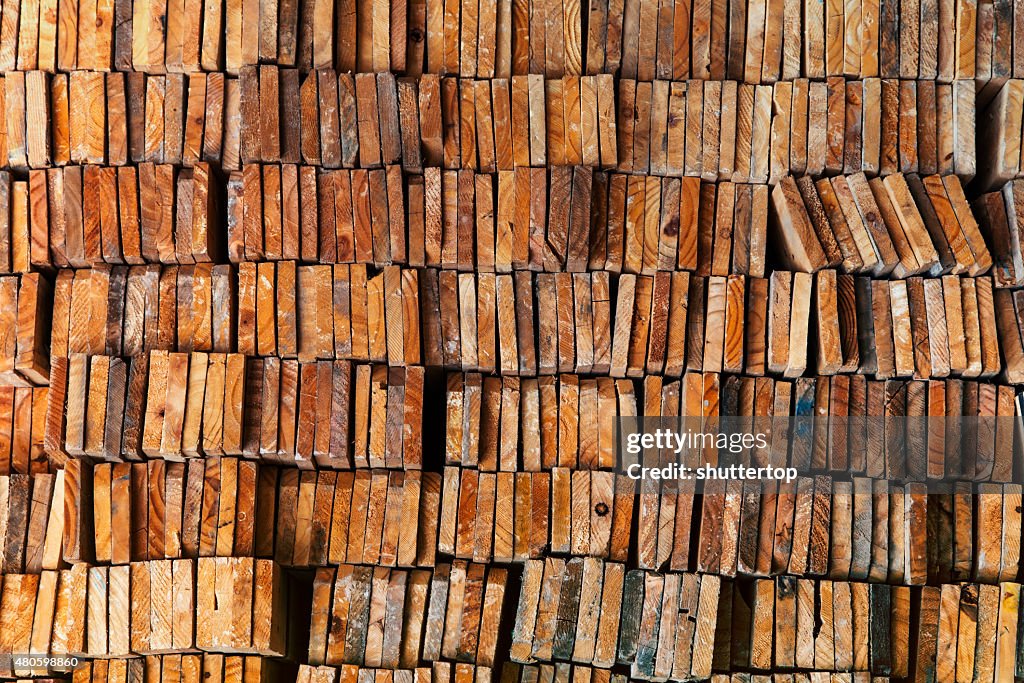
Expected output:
(149, 607)
(325, 324)
(181, 405)
(191, 668)
(22, 429)
(375, 616)
(437, 672)
(714, 129)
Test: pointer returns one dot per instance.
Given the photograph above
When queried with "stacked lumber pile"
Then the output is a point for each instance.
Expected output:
(216, 668)
(438, 672)
(182, 405)
(323, 322)
(375, 616)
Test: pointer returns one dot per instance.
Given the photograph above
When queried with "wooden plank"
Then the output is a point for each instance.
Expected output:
(801, 246)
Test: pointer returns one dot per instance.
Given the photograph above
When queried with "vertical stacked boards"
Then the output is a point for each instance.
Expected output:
(320, 321)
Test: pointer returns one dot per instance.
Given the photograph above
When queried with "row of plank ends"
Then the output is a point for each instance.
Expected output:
(936, 327)
(562, 672)
(31, 522)
(25, 306)
(765, 530)
(820, 624)
(717, 228)
(375, 616)
(859, 529)
(23, 413)
(898, 225)
(380, 216)
(332, 518)
(101, 407)
(135, 512)
(918, 327)
(764, 41)
(869, 531)
(712, 129)
(662, 323)
(327, 312)
(513, 517)
(159, 405)
(224, 605)
(228, 507)
(880, 425)
(831, 322)
(176, 405)
(716, 130)
(262, 309)
(589, 611)
(117, 118)
(659, 624)
(644, 41)
(965, 631)
(563, 420)
(183, 668)
(437, 672)
(671, 323)
(368, 120)
(24, 238)
(290, 212)
(185, 36)
(130, 310)
(560, 219)
(335, 415)
(83, 216)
